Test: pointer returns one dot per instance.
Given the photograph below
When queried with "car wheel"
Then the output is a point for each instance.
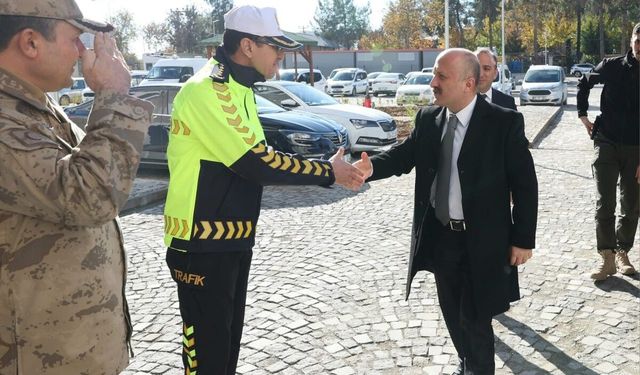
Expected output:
(564, 102)
(577, 74)
(64, 100)
(353, 92)
(375, 94)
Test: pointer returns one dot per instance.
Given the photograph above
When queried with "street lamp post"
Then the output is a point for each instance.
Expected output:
(446, 24)
(504, 58)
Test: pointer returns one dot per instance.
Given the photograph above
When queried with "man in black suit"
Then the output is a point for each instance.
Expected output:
(488, 73)
(468, 155)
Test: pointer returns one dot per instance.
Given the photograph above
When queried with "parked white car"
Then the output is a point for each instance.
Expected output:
(504, 80)
(319, 82)
(369, 129)
(387, 83)
(544, 84)
(577, 70)
(411, 74)
(137, 76)
(416, 90)
(70, 95)
(348, 81)
(371, 76)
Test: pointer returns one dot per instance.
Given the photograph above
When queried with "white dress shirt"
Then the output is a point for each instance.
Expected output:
(455, 193)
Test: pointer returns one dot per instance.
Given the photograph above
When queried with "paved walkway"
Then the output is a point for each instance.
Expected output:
(327, 284)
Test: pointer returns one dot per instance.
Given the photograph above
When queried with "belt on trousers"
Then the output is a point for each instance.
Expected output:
(456, 225)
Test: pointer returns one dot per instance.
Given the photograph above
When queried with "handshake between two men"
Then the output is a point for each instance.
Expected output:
(351, 176)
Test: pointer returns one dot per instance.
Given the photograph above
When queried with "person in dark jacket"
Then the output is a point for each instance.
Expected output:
(615, 141)
(468, 156)
(488, 73)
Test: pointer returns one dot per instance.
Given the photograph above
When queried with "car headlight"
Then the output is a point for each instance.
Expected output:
(300, 138)
(359, 123)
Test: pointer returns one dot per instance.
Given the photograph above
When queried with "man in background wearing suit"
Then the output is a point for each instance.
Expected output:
(468, 155)
(488, 73)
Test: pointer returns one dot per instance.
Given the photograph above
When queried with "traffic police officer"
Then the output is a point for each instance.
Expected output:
(218, 162)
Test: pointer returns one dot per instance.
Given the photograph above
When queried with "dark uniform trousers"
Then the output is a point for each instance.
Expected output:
(472, 335)
(615, 163)
(212, 289)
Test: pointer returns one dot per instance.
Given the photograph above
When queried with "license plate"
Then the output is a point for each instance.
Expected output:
(539, 98)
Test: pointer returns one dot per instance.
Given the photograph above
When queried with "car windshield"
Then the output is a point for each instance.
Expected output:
(265, 106)
(344, 76)
(287, 76)
(169, 72)
(388, 75)
(373, 75)
(311, 96)
(542, 76)
(422, 79)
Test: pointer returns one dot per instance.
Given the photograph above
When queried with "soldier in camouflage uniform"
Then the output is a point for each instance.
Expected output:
(62, 261)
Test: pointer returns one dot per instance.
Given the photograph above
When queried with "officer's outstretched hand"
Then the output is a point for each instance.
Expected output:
(104, 67)
(346, 174)
(364, 165)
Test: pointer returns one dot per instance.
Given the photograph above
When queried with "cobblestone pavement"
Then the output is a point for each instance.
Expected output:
(327, 284)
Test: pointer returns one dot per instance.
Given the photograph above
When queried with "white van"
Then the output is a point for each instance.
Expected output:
(173, 70)
(504, 81)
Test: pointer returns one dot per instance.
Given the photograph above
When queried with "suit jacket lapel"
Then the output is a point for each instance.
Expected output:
(440, 123)
(475, 131)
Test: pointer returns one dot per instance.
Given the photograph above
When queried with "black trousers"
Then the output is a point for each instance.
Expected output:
(472, 335)
(212, 290)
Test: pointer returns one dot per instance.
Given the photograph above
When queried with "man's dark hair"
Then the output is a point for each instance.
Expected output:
(12, 25)
(231, 40)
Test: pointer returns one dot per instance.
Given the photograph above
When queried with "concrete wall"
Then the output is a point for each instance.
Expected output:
(401, 61)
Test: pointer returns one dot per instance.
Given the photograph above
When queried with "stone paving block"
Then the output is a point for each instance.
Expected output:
(344, 371)
(606, 368)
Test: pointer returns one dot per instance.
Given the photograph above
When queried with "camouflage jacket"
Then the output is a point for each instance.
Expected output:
(62, 261)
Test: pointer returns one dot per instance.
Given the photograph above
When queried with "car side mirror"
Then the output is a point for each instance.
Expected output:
(519, 82)
(289, 103)
(184, 78)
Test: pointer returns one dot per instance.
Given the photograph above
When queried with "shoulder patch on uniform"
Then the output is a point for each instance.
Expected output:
(219, 73)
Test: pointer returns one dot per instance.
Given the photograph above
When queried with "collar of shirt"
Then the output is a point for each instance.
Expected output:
(489, 94)
(20, 89)
(464, 115)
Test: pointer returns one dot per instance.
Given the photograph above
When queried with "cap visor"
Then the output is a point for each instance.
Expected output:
(283, 42)
(92, 27)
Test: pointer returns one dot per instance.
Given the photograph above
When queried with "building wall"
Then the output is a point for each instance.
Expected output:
(401, 61)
